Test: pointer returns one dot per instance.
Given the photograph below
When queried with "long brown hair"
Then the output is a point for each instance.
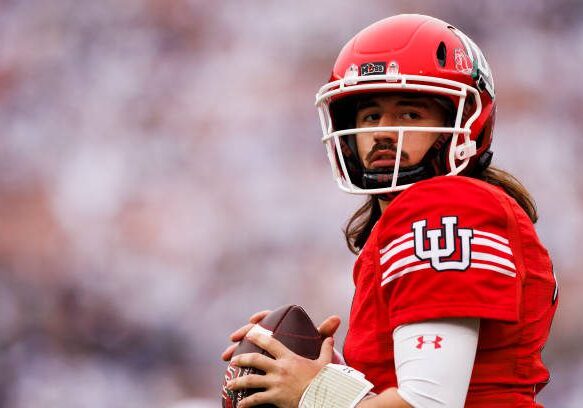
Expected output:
(363, 220)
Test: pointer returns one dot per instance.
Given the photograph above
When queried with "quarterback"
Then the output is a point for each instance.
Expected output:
(454, 293)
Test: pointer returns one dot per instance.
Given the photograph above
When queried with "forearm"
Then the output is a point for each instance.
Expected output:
(433, 361)
(428, 348)
(389, 398)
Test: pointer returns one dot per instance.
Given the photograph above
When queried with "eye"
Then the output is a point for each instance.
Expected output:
(367, 117)
(373, 117)
(411, 116)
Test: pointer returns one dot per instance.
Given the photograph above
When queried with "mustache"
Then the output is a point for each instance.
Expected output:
(386, 145)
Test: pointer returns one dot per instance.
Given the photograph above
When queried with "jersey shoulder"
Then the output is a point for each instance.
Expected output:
(475, 201)
(447, 191)
(440, 211)
(450, 247)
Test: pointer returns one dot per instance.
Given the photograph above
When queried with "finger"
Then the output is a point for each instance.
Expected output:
(329, 326)
(254, 360)
(269, 344)
(257, 317)
(256, 399)
(228, 353)
(248, 381)
(327, 350)
(238, 334)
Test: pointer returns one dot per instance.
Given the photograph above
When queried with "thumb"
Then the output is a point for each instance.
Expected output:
(329, 326)
(327, 350)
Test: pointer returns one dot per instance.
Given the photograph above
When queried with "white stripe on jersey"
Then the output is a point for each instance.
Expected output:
(427, 265)
(396, 241)
(494, 268)
(399, 248)
(482, 256)
(491, 235)
(401, 263)
(405, 271)
(492, 244)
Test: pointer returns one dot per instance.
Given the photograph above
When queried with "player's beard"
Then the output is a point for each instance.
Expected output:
(382, 177)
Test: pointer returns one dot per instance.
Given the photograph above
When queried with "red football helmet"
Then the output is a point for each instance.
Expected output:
(411, 54)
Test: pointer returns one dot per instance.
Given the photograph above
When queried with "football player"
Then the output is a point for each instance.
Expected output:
(454, 293)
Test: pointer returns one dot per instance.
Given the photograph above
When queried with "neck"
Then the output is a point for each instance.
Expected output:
(383, 204)
(386, 200)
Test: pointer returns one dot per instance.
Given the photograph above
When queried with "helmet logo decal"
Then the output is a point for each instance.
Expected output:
(480, 72)
(373, 68)
(463, 63)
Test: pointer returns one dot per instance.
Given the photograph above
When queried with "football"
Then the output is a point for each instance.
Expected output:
(289, 324)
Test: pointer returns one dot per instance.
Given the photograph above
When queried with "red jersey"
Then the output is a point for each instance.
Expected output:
(456, 247)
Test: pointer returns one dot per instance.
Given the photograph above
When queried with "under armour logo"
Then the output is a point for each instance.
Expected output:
(428, 247)
(421, 341)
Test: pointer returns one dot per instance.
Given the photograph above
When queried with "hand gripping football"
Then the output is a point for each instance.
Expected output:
(290, 325)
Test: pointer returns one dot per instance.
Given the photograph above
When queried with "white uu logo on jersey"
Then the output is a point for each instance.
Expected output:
(428, 245)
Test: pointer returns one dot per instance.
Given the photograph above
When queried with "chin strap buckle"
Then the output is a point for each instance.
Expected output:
(465, 151)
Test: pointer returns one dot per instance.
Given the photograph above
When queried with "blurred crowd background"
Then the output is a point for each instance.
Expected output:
(162, 178)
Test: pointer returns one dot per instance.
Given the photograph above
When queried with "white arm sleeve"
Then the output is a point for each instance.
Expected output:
(434, 361)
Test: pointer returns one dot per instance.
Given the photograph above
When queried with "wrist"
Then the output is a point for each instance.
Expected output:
(362, 403)
(336, 385)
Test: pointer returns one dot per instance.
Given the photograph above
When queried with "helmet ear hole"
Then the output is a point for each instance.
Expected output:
(441, 54)
(343, 112)
(469, 107)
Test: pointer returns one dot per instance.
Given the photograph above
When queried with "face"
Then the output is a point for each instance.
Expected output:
(378, 149)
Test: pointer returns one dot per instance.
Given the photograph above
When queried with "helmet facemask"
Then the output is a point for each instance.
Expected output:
(450, 153)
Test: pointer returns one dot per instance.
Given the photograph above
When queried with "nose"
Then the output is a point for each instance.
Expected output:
(385, 121)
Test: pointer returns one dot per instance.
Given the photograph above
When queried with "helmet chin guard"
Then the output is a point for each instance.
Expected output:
(416, 55)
